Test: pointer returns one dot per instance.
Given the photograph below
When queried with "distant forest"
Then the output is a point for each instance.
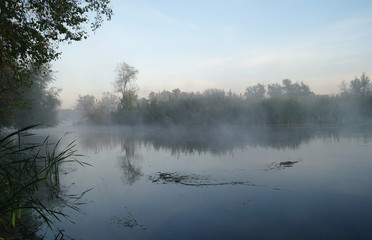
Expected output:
(284, 103)
(287, 103)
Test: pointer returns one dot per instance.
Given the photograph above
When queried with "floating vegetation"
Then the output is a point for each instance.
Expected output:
(287, 163)
(128, 221)
(275, 166)
(192, 180)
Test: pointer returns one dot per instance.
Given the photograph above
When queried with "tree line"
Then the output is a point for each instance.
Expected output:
(285, 103)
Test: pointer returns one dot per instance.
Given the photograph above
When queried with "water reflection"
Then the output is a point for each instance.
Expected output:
(129, 161)
(128, 142)
(192, 183)
(216, 141)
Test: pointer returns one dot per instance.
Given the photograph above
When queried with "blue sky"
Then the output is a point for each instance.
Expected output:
(194, 45)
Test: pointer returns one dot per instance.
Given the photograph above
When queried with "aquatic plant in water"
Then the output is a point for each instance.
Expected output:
(28, 173)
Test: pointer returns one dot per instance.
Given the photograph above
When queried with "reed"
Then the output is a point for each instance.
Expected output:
(26, 169)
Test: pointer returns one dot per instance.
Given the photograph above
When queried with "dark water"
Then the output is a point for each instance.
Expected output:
(220, 183)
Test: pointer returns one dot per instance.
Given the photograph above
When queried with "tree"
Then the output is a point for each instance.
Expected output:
(41, 102)
(295, 89)
(30, 30)
(108, 105)
(30, 33)
(344, 88)
(97, 111)
(255, 92)
(289, 89)
(275, 90)
(109, 101)
(87, 106)
(357, 87)
(360, 86)
(125, 84)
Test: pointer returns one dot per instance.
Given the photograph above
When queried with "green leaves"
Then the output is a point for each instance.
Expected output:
(30, 33)
(31, 30)
(27, 173)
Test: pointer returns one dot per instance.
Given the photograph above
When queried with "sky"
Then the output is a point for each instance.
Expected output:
(225, 44)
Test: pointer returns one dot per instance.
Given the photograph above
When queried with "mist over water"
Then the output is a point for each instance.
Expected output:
(220, 182)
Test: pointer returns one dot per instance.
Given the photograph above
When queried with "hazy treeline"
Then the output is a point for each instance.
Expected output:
(285, 103)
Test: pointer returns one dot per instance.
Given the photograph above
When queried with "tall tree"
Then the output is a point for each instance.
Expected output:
(360, 86)
(357, 87)
(255, 92)
(30, 33)
(125, 84)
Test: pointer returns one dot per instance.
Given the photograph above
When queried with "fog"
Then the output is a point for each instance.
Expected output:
(286, 103)
(282, 104)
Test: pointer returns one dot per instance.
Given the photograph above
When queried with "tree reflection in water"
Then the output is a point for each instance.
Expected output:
(190, 140)
(207, 186)
(129, 161)
(215, 140)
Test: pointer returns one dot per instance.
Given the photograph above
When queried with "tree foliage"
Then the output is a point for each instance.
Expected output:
(255, 92)
(358, 87)
(287, 103)
(41, 101)
(34, 104)
(289, 89)
(97, 111)
(125, 84)
(275, 90)
(30, 33)
(30, 30)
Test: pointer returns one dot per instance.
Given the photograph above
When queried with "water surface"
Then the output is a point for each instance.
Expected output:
(225, 183)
